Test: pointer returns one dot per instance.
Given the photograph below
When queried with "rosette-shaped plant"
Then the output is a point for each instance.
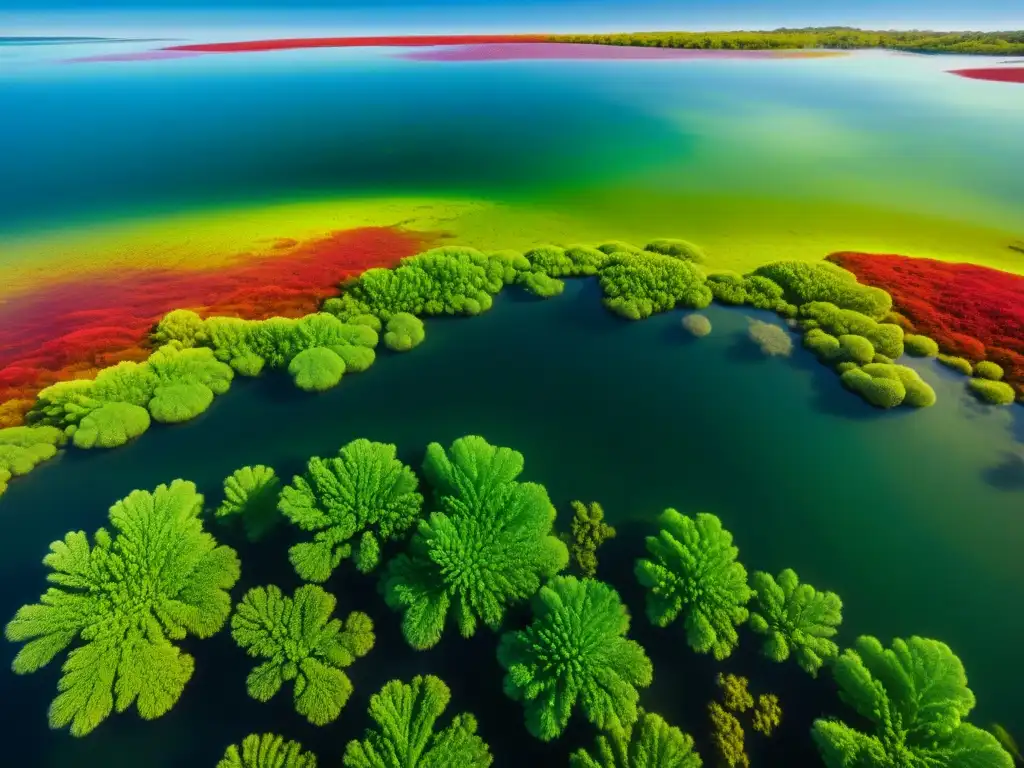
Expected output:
(267, 750)
(575, 653)
(316, 369)
(251, 493)
(404, 332)
(406, 714)
(693, 571)
(156, 578)
(490, 547)
(363, 491)
(796, 619)
(916, 696)
(649, 743)
(301, 642)
(111, 425)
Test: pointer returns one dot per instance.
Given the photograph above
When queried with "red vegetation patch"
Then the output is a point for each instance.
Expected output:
(352, 42)
(1004, 75)
(971, 311)
(70, 329)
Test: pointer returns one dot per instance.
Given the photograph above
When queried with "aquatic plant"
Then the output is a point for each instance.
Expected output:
(697, 325)
(958, 364)
(588, 531)
(886, 338)
(920, 346)
(680, 249)
(267, 750)
(916, 696)
(363, 491)
(693, 572)
(175, 403)
(448, 280)
(109, 426)
(648, 743)
(986, 369)
(767, 714)
(575, 261)
(822, 281)
(301, 642)
(316, 369)
(540, 284)
(1007, 741)
(156, 577)
(22, 448)
(991, 392)
(824, 345)
(490, 546)
(727, 737)
(773, 340)
(796, 619)
(406, 715)
(735, 695)
(886, 385)
(855, 349)
(251, 493)
(638, 285)
(575, 652)
(404, 332)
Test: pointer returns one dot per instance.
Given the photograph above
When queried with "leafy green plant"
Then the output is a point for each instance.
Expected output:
(915, 695)
(156, 578)
(822, 281)
(363, 491)
(693, 572)
(404, 332)
(267, 750)
(109, 426)
(301, 642)
(649, 743)
(638, 285)
(490, 546)
(22, 448)
(588, 531)
(796, 619)
(404, 737)
(316, 369)
(575, 653)
(251, 493)
(886, 385)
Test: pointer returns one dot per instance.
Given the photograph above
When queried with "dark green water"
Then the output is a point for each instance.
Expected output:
(914, 518)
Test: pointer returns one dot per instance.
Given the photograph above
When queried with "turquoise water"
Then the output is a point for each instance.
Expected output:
(105, 139)
(913, 517)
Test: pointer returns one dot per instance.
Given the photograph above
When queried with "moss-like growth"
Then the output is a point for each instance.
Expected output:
(175, 403)
(878, 358)
(795, 619)
(111, 425)
(991, 392)
(541, 285)
(986, 369)
(728, 288)
(155, 577)
(855, 349)
(822, 281)
(357, 359)
(405, 715)
(887, 385)
(772, 340)
(574, 261)
(920, 346)
(182, 326)
(588, 532)
(886, 338)
(575, 653)
(824, 345)
(649, 743)
(693, 572)
(915, 695)
(727, 737)
(370, 321)
(363, 491)
(959, 364)
(267, 750)
(697, 325)
(302, 642)
(251, 493)
(767, 714)
(490, 546)
(404, 332)
(845, 366)
(638, 285)
(735, 694)
(679, 249)
(316, 370)
(618, 246)
(22, 448)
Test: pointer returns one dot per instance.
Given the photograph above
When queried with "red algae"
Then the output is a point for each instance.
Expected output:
(972, 311)
(73, 328)
(350, 42)
(999, 75)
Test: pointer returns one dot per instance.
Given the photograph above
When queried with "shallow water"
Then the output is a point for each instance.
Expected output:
(912, 517)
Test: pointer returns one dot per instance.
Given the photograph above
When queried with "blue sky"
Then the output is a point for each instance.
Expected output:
(411, 16)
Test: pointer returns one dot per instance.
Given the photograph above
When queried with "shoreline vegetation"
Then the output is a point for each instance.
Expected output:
(849, 326)
(1008, 43)
(477, 551)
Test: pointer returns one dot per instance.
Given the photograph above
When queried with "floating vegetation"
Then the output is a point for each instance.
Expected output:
(773, 340)
(588, 532)
(697, 325)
